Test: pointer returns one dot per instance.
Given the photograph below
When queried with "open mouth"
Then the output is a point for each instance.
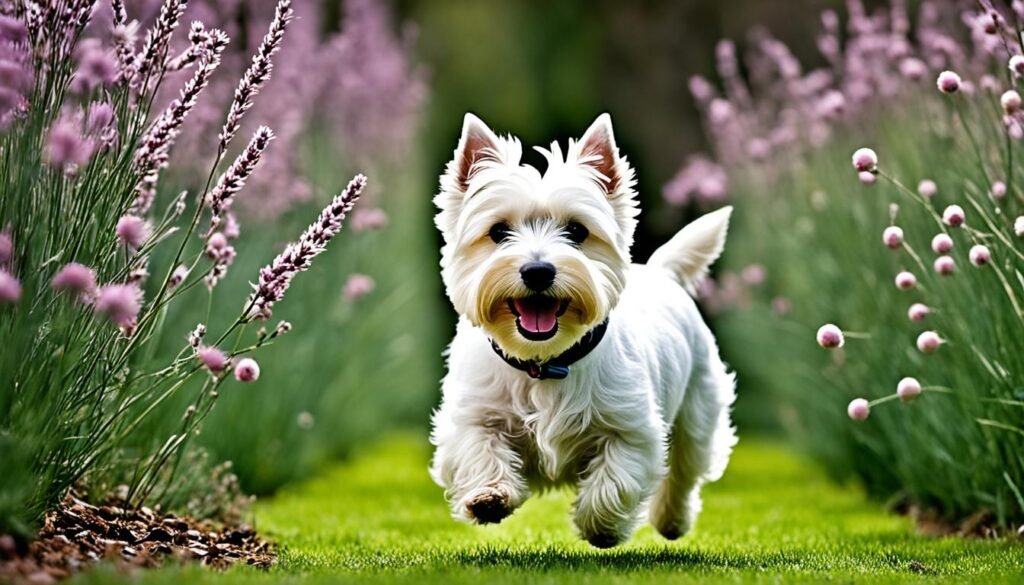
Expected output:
(537, 316)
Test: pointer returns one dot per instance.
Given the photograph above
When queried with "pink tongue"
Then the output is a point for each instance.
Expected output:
(537, 314)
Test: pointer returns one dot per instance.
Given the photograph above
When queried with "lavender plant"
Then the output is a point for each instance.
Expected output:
(907, 267)
(84, 226)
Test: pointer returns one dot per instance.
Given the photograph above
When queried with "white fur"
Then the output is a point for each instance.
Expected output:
(642, 421)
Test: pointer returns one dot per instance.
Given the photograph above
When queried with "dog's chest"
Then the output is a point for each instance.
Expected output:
(558, 431)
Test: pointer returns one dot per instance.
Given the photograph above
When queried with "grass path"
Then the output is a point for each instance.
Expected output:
(774, 517)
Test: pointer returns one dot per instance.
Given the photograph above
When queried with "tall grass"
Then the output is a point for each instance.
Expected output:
(94, 262)
(816, 226)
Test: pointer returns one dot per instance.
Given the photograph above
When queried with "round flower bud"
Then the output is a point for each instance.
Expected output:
(1010, 101)
(953, 216)
(830, 336)
(927, 188)
(893, 237)
(247, 370)
(948, 82)
(945, 265)
(859, 409)
(865, 160)
(908, 389)
(979, 255)
(918, 311)
(906, 280)
(942, 243)
(928, 342)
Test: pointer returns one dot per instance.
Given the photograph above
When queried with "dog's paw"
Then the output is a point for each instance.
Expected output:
(488, 505)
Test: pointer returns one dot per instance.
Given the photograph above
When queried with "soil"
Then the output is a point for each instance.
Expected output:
(77, 535)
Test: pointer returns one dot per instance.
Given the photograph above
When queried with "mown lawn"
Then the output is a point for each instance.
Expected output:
(774, 517)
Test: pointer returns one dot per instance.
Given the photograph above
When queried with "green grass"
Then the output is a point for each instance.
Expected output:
(774, 517)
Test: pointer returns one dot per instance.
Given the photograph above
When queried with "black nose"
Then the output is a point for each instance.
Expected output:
(538, 276)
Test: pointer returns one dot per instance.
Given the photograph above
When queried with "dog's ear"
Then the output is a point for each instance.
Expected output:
(477, 144)
(598, 151)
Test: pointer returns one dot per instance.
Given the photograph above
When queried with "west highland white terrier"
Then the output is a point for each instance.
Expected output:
(571, 364)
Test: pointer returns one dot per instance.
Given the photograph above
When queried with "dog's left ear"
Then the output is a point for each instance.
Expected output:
(598, 151)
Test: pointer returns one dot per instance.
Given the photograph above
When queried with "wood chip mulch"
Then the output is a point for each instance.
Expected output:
(78, 534)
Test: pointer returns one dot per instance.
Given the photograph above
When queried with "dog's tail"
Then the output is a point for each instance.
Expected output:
(690, 252)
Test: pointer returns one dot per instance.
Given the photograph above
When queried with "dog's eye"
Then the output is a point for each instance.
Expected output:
(576, 232)
(499, 232)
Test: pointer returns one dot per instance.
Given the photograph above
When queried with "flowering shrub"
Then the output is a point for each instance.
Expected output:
(928, 370)
(93, 257)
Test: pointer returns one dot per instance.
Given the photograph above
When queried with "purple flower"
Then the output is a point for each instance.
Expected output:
(247, 370)
(120, 303)
(66, 147)
(953, 216)
(700, 178)
(96, 67)
(276, 277)
(358, 286)
(75, 278)
(366, 219)
(942, 244)
(212, 358)
(10, 288)
(133, 231)
(753, 274)
(927, 188)
(865, 160)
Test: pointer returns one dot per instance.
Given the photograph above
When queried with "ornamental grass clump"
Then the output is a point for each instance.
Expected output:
(96, 248)
(931, 113)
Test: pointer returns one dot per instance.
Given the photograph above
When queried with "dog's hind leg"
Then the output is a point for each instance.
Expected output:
(701, 443)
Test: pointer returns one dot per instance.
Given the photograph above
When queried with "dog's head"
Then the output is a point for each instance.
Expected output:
(536, 259)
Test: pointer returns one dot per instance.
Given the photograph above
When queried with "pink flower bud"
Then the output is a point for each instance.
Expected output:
(942, 243)
(1017, 65)
(10, 288)
(979, 255)
(212, 358)
(948, 82)
(945, 265)
(906, 280)
(247, 370)
(133, 231)
(830, 336)
(865, 160)
(954, 216)
(908, 389)
(75, 278)
(859, 409)
(928, 342)
(998, 190)
(358, 286)
(866, 178)
(1010, 101)
(918, 311)
(6, 248)
(927, 188)
(120, 303)
(893, 237)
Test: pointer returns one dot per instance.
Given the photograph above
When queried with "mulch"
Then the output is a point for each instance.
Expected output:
(77, 535)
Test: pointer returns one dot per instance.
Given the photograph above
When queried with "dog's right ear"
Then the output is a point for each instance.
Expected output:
(478, 146)
(478, 143)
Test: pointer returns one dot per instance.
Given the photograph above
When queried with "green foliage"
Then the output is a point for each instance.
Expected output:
(774, 517)
(959, 448)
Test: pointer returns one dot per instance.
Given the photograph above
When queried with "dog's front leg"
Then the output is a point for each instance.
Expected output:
(615, 484)
(477, 465)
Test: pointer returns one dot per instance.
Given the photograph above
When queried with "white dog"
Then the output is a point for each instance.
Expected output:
(570, 364)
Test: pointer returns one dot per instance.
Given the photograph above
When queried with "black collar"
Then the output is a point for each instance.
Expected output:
(557, 368)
